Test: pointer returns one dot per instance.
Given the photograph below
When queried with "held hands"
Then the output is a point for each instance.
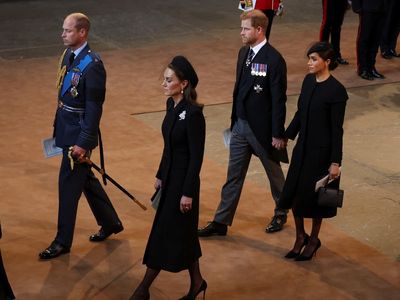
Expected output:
(334, 171)
(186, 204)
(279, 143)
(157, 183)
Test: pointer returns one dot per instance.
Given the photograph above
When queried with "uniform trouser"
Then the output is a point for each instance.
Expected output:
(332, 19)
(270, 13)
(242, 145)
(369, 35)
(391, 28)
(71, 184)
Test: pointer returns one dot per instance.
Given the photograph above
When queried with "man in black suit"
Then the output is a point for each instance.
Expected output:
(257, 122)
(371, 21)
(82, 81)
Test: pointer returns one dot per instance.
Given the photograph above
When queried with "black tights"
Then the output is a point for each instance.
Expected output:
(142, 291)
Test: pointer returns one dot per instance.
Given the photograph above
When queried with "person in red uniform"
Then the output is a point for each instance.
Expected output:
(332, 19)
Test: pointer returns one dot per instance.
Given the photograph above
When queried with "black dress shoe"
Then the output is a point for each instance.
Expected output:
(342, 61)
(105, 233)
(394, 53)
(276, 223)
(387, 55)
(376, 74)
(54, 250)
(212, 228)
(366, 75)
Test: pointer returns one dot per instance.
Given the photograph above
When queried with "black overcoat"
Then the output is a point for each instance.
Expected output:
(173, 244)
(319, 124)
(264, 98)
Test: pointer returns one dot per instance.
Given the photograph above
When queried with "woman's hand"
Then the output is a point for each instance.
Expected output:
(157, 183)
(334, 171)
(186, 204)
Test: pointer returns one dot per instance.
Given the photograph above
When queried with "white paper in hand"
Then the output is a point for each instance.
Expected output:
(50, 149)
(227, 137)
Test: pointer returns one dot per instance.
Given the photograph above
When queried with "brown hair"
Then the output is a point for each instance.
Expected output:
(81, 21)
(257, 17)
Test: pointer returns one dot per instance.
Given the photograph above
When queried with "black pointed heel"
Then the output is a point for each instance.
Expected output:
(302, 257)
(203, 288)
(291, 254)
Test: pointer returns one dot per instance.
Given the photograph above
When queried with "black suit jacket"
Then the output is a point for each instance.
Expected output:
(360, 6)
(264, 98)
(82, 129)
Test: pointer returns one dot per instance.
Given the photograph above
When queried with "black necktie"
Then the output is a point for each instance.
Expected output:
(249, 57)
(71, 58)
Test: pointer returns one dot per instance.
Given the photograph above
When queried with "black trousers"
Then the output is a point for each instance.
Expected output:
(71, 184)
(391, 27)
(5, 288)
(368, 39)
(270, 13)
(332, 19)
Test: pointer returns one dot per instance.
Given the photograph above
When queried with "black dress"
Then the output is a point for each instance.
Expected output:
(173, 244)
(319, 123)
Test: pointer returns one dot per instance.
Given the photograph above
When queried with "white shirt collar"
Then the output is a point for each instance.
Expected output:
(258, 47)
(79, 50)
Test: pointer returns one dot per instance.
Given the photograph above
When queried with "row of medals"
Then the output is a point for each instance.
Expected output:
(258, 69)
(75, 81)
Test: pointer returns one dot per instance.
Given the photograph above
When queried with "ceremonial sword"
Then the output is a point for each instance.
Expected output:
(87, 160)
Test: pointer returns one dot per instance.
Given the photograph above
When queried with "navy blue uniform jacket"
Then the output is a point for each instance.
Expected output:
(82, 129)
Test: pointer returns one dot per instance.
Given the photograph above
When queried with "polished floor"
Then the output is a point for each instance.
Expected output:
(360, 253)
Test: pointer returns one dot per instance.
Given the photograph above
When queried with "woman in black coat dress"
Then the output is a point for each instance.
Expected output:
(173, 244)
(318, 151)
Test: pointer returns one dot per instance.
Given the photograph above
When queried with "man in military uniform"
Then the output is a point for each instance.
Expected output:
(371, 21)
(81, 93)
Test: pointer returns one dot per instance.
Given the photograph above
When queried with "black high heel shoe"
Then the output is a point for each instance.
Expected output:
(302, 257)
(202, 288)
(292, 254)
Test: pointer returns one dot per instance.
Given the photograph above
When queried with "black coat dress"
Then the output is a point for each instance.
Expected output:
(319, 123)
(173, 244)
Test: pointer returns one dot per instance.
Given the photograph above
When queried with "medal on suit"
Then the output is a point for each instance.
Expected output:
(258, 69)
(76, 75)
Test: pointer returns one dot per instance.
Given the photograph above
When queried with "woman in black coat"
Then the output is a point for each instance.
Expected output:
(173, 244)
(318, 151)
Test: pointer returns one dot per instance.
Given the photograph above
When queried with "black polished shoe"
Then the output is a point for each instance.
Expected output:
(366, 75)
(342, 61)
(213, 228)
(292, 254)
(394, 53)
(376, 74)
(105, 233)
(387, 55)
(276, 223)
(54, 250)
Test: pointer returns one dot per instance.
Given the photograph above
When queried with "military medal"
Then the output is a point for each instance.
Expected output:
(258, 69)
(258, 88)
(76, 76)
